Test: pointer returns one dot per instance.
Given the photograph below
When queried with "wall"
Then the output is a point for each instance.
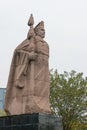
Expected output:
(2, 95)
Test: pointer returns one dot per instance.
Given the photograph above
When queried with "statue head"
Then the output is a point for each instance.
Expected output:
(39, 30)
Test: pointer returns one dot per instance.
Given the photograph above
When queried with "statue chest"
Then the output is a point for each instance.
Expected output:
(42, 48)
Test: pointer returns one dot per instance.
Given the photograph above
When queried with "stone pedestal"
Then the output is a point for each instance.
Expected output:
(35, 121)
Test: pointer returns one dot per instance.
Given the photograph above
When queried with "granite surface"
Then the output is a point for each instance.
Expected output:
(35, 121)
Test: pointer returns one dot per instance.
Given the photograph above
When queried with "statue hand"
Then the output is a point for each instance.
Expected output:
(32, 55)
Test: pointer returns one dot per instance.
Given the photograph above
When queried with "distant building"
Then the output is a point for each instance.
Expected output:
(2, 95)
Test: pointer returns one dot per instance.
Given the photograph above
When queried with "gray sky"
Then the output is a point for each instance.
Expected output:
(66, 32)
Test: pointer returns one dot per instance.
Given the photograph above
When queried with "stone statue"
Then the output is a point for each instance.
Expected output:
(28, 83)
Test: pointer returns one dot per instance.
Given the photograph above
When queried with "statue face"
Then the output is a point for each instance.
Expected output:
(41, 32)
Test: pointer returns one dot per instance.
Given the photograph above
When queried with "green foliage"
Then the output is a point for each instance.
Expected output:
(2, 113)
(68, 97)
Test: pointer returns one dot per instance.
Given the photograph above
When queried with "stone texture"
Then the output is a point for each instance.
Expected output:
(28, 83)
(35, 121)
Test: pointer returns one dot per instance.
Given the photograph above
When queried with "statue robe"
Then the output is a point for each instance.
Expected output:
(28, 83)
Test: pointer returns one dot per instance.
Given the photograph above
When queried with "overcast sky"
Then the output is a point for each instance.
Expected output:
(66, 32)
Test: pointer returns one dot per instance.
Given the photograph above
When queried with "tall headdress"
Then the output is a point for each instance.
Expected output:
(39, 26)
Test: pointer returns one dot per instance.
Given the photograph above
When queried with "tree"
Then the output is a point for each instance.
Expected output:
(68, 97)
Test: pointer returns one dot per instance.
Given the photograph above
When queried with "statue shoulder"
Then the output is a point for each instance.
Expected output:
(46, 44)
(22, 45)
(39, 39)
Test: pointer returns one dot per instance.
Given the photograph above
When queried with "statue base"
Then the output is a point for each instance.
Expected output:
(35, 121)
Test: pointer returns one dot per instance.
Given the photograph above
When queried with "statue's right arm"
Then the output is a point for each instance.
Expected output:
(28, 55)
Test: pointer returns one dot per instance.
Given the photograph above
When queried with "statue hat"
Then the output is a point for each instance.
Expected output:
(40, 25)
